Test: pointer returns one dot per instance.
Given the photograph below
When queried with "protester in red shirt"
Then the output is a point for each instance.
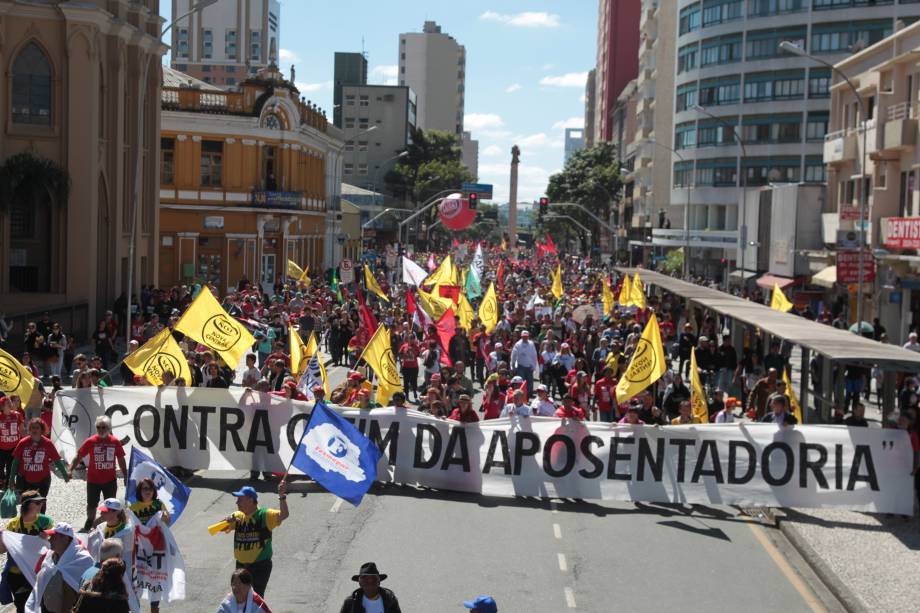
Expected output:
(408, 360)
(581, 389)
(605, 393)
(102, 450)
(10, 432)
(568, 410)
(492, 399)
(33, 458)
(464, 413)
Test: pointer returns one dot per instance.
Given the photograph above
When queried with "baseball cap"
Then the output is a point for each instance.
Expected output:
(355, 376)
(111, 504)
(541, 388)
(525, 334)
(247, 490)
(517, 379)
(62, 528)
(483, 604)
(318, 388)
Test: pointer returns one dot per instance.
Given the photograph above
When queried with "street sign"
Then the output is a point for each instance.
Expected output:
(483, 189)
(847, 240)
(347, 271)
(848, 266)
(901, 233)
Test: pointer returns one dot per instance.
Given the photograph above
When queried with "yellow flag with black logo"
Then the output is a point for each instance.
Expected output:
(434, 304)
(778, 301)
(298, 351)
(557, 283)
(444, 274)
(624, 298)
(488, 309)
(296, 272)
(370, 283)
(637, 293)
(208, 323)
(793, 398)
(156, 357)
(379, 356)
(698, 404)
(608, 296)
(15, 379)
(465, 312)
(647, 363)
(311, 346)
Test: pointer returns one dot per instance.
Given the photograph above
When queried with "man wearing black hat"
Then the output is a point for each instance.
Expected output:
(370, 597)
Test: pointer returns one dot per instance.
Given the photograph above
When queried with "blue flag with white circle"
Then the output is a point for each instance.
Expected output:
(170, 490)
(336, 455)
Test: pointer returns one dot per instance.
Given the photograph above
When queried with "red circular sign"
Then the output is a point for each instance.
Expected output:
(456, 213)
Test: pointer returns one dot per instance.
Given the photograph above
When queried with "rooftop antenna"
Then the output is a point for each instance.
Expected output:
(363, 52)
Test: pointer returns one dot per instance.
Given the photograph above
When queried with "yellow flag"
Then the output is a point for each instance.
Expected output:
(557, 283)
(698, 402)
(443, 274)
(624, 298)
(379, 356)
(208, 323)
(370, 284)
(647, 364)
(504, 245)
(465, 312)
(312, 347)
(608, 297)
(296, 272)
(157, 356)
(15, 379)
(779, 302)
(298, 351)
(488, 310)
(793, 398)
(637, 293)
(433, 304)
(613, 362)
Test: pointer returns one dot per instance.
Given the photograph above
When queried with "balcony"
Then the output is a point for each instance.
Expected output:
(712, 239)
(840, 146)
(278, 200)
(901, 127)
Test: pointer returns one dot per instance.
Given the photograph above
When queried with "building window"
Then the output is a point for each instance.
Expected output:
(766, 8)
(349, 100)
(31, 96)
(207, 44)
(349, 123)
(182, 39)
(348, 169)
(819, 83)
(838, 37)
(687, 58)
(205, 68)
(815, 170)
(255, 45)
(719, 91)
(719, 11)
(349, 145)
(362, 123)
(683, 174)
(718, 172)
(212, 153)
(167, 153)
(761, 171)
(362, 169)
(685, 135)
(765, 43)
(765, 129)
(690, 18)
(230, 44)
(721, 50)
(230, 81)
(362, 145)
(785, 85)
(715, 134)
(686, 96)
(363, 100)
(816, 128)
(839, 4)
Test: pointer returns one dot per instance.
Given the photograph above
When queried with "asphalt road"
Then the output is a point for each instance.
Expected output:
(531, 555)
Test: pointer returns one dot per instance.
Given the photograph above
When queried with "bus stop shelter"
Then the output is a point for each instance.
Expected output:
(838, 347)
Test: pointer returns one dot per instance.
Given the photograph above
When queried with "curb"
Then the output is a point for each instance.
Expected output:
(834, 584)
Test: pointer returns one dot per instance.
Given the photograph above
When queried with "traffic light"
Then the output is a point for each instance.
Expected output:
(544, 205)
(473, 199)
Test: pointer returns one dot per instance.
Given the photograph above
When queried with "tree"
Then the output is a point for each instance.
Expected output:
(432, 165)
(591, 177)
(673, 262)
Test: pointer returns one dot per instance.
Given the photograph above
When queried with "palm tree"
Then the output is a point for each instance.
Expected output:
(28, 178)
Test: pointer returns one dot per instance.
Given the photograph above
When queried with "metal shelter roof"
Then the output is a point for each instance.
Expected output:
(835, 344)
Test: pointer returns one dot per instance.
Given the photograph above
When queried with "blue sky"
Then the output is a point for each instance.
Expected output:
(526, 63)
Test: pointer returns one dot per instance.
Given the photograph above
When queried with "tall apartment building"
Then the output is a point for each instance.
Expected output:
(349, 69)
(227, 42)
(433, 65)
(469, 153)
(590, 101)
(377, 122)
(574, 141)
(650, 153)
(617, 59)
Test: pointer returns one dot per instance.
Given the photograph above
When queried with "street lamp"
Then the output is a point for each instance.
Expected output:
(793, 49)
(135, 200)
(742, 183)
(686, 265)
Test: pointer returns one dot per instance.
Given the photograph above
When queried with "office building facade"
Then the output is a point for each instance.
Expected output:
(433, 65)
(574, 141)
(349, 69)
(227, 42)
(617, 59)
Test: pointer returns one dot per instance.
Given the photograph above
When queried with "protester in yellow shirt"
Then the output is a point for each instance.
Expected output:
(686, 415)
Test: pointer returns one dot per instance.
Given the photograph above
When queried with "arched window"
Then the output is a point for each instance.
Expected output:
(32, 87)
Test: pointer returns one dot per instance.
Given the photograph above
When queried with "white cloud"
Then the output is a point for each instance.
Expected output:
(481, 121)
(512, 88)
(286, 56)
(491, 150)
(571, 122)
(532, 140)
(313, 87)
(569, 79)
(527, 19)
(493, 134)
(385, 74)
(582, 98)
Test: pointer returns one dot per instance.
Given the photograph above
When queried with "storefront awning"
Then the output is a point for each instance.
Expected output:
(736, 274)
(826, 277)
(768, 281)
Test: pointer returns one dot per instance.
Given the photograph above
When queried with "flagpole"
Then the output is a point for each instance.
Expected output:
(306, 429)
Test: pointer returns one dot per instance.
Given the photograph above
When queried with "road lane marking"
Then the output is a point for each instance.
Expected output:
(793, 577)
(336, 506)
(570, 597)
(557, 531)
(563, 566)
(553, 507)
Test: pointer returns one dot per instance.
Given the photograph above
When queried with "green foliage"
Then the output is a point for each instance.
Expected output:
(673, 262)
(28, 178)
(591, 177)
(432, 165)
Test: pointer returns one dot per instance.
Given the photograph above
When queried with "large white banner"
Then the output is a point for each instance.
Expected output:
(756, 464)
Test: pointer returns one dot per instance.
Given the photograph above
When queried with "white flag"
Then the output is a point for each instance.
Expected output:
(479, 263)
(413, 274)
(312, 375)
(159, 569)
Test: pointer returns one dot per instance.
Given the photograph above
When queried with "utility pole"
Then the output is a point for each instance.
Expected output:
(512, 204)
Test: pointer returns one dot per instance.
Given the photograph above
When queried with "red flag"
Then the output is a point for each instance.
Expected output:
(550, 247)
(456, 243)
(509, 395)
(500, 275)
(540, 249)
(446, 326)
(419, 316)
(367, 318)
(450, 291)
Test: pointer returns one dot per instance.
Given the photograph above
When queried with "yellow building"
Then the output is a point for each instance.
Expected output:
(246, 179)
(69, 107)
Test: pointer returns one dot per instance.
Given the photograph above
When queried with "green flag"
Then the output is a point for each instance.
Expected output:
(334, 286)
(472, 289)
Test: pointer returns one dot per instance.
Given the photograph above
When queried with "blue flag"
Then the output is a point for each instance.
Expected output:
(336, 455)
(172, 492)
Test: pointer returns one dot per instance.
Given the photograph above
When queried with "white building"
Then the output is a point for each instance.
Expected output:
(469, 153)
(227, 42)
